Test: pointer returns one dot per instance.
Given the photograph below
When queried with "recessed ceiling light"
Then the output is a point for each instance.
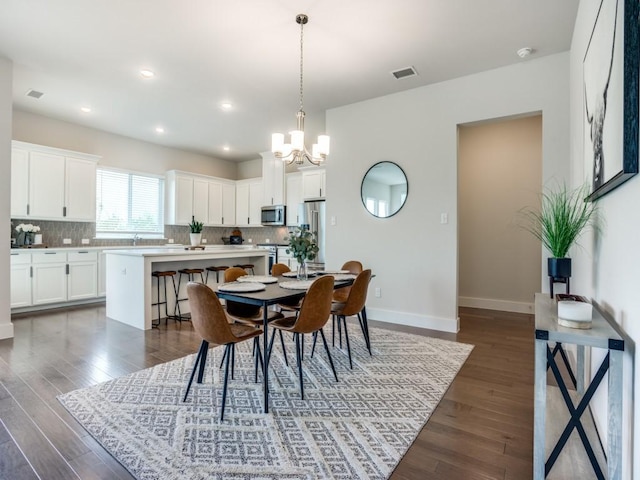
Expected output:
(226, 105)
(147, 73)
(85, 109)
(525, 52)
(226, 148)
(159, 129)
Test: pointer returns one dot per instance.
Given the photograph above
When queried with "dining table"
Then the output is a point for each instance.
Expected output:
(273, 294)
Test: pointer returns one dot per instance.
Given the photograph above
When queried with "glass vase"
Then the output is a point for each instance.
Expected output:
(302, 270)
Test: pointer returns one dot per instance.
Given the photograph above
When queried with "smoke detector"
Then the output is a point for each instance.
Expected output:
(525, 52)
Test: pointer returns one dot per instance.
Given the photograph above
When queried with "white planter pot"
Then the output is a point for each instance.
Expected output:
(195, 238)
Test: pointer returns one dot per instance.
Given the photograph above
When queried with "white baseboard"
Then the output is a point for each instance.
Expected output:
(494, 304)
(414, 320)
(6, 330)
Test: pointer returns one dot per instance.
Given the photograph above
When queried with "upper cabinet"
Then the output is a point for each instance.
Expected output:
(314, 183)
(294, 198)
(207, 199)
(249, 198)
(52, 184)
(272, 180)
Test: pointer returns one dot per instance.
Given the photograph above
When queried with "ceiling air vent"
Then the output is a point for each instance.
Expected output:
(34, 94)
(404, 73)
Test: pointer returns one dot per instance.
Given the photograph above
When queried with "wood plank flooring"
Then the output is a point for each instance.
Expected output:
(482, 429)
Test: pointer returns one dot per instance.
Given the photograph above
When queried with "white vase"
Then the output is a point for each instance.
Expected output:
(195, 238)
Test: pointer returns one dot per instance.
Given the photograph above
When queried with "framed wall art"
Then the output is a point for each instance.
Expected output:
(610, 108)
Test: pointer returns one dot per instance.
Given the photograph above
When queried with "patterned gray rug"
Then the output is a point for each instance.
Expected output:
(359, 427)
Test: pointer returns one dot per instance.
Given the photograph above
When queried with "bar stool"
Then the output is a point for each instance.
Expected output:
(221, 268)
(247, 266)
(158, 275)
(189, 272)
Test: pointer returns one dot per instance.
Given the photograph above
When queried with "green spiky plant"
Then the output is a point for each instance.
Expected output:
(563, 216)
(195, 226)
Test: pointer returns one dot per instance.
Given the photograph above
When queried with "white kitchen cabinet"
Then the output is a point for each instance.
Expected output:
(294, 198)
(200, 200)
(19, 182)
(287, 259)
(49, 277)
(249, 197)
(314, 184)
(272, 180)
(52, 184)
(222, 203)
(82, 275)
(179, 198)
(102, 273)
(20, 280)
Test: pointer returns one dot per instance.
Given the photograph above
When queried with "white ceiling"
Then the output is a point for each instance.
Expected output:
(204, 52)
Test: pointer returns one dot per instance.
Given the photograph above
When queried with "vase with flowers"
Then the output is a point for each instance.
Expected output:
(304, 246)
(26, 232)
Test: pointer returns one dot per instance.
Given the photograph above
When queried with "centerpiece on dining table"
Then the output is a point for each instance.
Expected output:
(303, 245)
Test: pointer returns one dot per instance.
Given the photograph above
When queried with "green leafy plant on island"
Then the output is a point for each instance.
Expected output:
(195, 226)
(302, 244)
(563, 215)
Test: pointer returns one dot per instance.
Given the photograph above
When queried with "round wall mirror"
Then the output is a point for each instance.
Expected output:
(384, 189)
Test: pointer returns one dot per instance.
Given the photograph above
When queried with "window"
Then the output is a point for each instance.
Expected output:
(128, 203)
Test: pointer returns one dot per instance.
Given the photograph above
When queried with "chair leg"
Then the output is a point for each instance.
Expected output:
(299, 357)
(258, 359)
(224, 355)
(284, 350)
(346, 336)
(315, 339)
(204, 346)
(365, 333)
(326, 349)
(233, 359)
(226, 380)
(333, 330)
(365, 322)
(203, 362)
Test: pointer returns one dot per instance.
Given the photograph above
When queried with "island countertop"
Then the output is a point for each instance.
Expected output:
(208, 252)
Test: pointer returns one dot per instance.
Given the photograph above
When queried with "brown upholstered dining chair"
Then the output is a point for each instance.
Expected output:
(313, 316)
(353, 306)
(341, 294)
(213, 325)
(278, 269)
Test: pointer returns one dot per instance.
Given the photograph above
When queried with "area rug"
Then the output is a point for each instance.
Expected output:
(357, 428)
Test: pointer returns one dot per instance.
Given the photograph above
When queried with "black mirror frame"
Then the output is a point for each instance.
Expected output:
(362, 185)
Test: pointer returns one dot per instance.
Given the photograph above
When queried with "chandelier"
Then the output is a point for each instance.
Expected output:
(296, 150)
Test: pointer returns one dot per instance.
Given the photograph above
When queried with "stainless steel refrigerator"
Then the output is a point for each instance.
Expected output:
(313, 217)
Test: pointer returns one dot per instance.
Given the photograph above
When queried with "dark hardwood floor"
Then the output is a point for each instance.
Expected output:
(482, 429)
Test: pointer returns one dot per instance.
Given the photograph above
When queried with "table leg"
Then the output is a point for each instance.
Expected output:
(614, 444)
(539, 415)
(265, 352)
(580, 370)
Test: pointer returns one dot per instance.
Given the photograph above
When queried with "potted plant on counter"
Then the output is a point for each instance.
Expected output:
(195, 228)
(303, 246)
(563, 215)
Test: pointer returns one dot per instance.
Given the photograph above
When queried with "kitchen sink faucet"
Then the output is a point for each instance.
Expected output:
(136, 237)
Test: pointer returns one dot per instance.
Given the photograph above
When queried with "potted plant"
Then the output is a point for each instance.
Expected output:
(195, 229)
(26, 231)
(303, 246)
(563, 215)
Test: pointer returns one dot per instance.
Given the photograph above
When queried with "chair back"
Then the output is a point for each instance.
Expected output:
(278, 269)
(358, 294)
(316, 306)
(233, 273)
(341, 294)
(207, 315)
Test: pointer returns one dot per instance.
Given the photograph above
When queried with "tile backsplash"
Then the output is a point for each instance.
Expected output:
(54, 232)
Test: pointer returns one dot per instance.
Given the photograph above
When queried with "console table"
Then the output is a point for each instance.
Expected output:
(601, 335)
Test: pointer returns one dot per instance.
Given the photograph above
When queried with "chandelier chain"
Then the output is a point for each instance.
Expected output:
(301, 61)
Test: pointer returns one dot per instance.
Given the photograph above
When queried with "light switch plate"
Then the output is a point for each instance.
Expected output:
(66, 241)
(85, 241)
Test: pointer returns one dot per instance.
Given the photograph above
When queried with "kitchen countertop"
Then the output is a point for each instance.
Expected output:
(174, 252)
(169, 247)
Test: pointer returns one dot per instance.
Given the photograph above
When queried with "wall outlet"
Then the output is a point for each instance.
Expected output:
(251, 240)
(66, 241)
(123, 271)
(333, 219)
(85, 241)
(444, 218)
(267, 241)
(204, 240)
(378, 292)
(170, 240)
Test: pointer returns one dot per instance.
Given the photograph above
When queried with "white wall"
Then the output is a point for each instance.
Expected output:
(116, 150)
(6, 99)
(607, 268)
(413, 256)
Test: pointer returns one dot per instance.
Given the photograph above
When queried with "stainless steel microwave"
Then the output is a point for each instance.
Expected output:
(273, 215)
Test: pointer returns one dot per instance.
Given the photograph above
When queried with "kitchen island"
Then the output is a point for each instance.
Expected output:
(130, 292)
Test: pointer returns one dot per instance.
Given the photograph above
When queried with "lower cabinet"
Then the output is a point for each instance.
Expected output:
(41, 278)
(286, 258)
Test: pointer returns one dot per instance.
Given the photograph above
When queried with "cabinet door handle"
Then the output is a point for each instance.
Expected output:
(28, 208)
(320, 192)
(248, 221)
(67, 269)
(223, 220)
(31, 272)
(64, 211)
(50, 253)
(83, 251)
